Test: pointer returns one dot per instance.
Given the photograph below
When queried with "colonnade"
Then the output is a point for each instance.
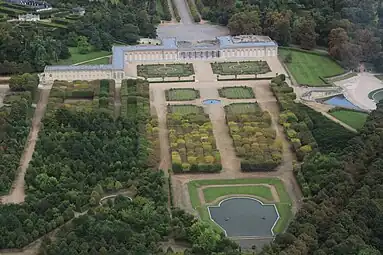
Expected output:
(198, 54)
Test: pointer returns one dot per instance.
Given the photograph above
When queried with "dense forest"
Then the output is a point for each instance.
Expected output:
(344, 214)
(80, 158)
(350, 30)
(30, 48)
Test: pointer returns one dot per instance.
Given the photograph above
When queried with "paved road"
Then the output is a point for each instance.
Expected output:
(183, 11)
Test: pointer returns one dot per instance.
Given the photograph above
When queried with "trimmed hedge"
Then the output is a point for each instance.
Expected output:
(165, 7)
(175, 10)
(296, 124)
(193, 11)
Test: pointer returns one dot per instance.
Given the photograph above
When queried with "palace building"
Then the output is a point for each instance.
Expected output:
(168, 50)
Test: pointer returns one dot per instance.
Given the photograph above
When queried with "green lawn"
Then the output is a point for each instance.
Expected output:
(77, 57)
(213, 193)
(181, 94)
(351, 118)
(307, 68)
(185, 109)
(284, 206)
(237, 92)
(242, 108)
(101, 61)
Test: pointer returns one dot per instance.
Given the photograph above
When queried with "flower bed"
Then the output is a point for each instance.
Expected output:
(254, 139)
(165, 70)
(238, 68)
(192, 143)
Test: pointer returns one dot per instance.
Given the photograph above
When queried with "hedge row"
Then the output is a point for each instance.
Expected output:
(295, 122)
(166, 10)
(175, 10)
(194, 11)
(192, 143)
(11, 12)
(253, 137)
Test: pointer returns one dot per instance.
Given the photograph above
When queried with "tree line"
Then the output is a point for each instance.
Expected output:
(350, 30)
(343, 215)
(30, 49)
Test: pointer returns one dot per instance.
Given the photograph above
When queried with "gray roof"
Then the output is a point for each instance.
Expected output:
(79, 67)
(222, 42)
(228, 42)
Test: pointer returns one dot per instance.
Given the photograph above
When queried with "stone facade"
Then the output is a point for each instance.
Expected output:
(245, 47)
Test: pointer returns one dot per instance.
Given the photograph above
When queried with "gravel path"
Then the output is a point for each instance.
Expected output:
(17, 194)
(183, 11)
(231, 170)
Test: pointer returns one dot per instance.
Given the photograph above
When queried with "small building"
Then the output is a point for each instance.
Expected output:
(34, 4)
(79, 11)
(29, 17)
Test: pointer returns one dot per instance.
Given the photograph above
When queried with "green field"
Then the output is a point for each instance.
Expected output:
(284, 206)
(307, 68)
(78, 58)
(165, 70)
(351, 118)
(213, 193)
(243, 108)
(238, 68)
(181, 94)
(101, 61)
(185, 109)
(237, 92)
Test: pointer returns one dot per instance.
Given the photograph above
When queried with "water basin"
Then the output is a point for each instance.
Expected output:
(211, 101)
(341, 101)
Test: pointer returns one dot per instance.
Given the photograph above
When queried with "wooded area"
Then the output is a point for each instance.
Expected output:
(351, 30)
(344, 178)
(29, 49)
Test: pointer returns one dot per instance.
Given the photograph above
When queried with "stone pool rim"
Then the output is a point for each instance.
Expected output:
(244, 197)
(210, 101)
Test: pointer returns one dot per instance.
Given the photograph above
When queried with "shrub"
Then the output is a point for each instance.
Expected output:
(192, 141)
(253, 137)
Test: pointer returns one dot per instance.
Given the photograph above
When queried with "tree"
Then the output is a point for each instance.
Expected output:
(304, 32)
(245, 23)
(24, 82)
(370, 45)
(341, 49)
(277, 26)
(83, 46)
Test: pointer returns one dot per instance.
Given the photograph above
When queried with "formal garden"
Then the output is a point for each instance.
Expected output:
(238, 68)
(181, 94)
(82, 95)
(253, 137)
(192, 143)
(165, 70)
(240, 92)
(214, 191)
(310, 68)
